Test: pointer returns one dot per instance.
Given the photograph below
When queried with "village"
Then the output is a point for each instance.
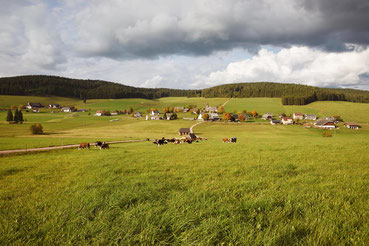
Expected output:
(210, 114)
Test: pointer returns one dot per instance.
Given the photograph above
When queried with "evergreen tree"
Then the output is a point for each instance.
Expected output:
(16, 116)
(20, 116)
(9, 116)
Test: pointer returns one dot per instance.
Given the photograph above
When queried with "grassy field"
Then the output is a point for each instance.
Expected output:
(279, 185)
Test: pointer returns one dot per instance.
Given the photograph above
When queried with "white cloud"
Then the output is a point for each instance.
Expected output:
(154, 82)
(295, 65)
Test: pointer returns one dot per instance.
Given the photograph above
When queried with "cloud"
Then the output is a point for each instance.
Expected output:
(149, 29)
(296, 65)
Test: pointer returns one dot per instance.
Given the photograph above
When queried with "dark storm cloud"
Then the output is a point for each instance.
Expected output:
(149, 29)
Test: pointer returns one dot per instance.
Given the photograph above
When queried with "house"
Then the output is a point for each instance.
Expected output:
(282, 115)
(156, 117)
(185, 110)
(352, 125)
(68, 109)
(330, 118)
(178, 109)
(287, 121)
(267, 116)
(298, 116)
(99, 113)
(275, 122)
(54, 105)
(154, 112)
(184, 131)
(115, 112)
(214, 116)
(325, 124)
(211, 109)
(34, 105)
(310, 117)
(138, 115)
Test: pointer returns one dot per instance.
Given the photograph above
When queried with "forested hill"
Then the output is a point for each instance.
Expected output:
(291, 94)
(42, 85)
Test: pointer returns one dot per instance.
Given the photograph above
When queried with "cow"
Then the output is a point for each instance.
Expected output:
(159, 142)
(233, 140)
(104, 146)
(84, 146)
(171, 140)
(98, 144)
(189, 141)
(225, 140)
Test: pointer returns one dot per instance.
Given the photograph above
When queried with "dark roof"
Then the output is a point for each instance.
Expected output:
(39, 105)
(323, 122)
(184, 130)
(351, 124)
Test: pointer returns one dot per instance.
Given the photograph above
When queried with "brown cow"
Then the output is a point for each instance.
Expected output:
(84, 146)
(225, 140)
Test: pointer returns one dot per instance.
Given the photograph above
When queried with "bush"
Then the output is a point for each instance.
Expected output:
(327, 133)
(37, 129)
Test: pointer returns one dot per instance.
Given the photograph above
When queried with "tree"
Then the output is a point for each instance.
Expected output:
(171, 109)
(130, 111)
(254, 113)
(221, 109)
(227, 116)
(36, 128)
(21, 107)
(205, 117)
(166, 110)
(234, 111)
(9, 116)
(241, 117)
(173, 116)
(13, 107)
(20, 116)
(244, 111)
(16, 116)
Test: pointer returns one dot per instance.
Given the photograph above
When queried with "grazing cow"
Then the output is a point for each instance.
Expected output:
(98, 144)
(233, 140)
(159, 142)
(225, 140)
(171, 140)
(178, 141)
(189, 141)
(104, 146)
(84, 146)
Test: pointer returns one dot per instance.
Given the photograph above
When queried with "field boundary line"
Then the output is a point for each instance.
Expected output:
(198, 123)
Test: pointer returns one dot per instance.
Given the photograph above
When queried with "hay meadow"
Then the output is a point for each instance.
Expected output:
(278, 185)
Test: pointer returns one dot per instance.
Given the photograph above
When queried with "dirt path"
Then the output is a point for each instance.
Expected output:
(226, 102)
(198, 123)
(4, 152)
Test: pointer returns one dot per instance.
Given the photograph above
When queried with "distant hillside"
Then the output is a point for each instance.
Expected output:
(290, 94)
(41, 85)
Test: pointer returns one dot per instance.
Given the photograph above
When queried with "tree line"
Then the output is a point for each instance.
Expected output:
(290, 94)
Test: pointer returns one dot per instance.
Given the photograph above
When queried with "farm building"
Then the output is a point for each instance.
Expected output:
(211, 109)
(310, 117)
(115, 112)
(155, 117)
(325, 124)
(154, 112)
(330, 118)
(282, 115)
(52, 105)
(137, 114)
(275, 122)
(184, 131)
(267, 116)
(214, 116)
(352, 125)
(287, 121)
(68, 109)
(34, 105)
(297, 115)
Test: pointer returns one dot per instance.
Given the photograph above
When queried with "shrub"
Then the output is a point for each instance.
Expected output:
(9, 116)
(327, 133)
(36, 128)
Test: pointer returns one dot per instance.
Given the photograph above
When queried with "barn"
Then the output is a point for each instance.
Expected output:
(184, 131)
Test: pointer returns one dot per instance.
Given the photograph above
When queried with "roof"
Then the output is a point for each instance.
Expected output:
(351, 124)
(99, 111)
(35, 104)
(323, 122)
(184, 130)
(298, 114)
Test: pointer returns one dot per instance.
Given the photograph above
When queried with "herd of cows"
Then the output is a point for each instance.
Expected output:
(158, 142)
(101, 145)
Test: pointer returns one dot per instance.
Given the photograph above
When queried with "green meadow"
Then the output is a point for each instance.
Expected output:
(278, 185)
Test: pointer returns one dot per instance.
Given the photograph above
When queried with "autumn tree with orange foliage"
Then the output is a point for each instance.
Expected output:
(254, 113)
(227, 116)
(241, 117)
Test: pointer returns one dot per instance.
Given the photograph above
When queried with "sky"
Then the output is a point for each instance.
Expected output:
(188, 44)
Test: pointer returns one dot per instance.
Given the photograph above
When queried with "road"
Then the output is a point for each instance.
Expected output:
(5, 152)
